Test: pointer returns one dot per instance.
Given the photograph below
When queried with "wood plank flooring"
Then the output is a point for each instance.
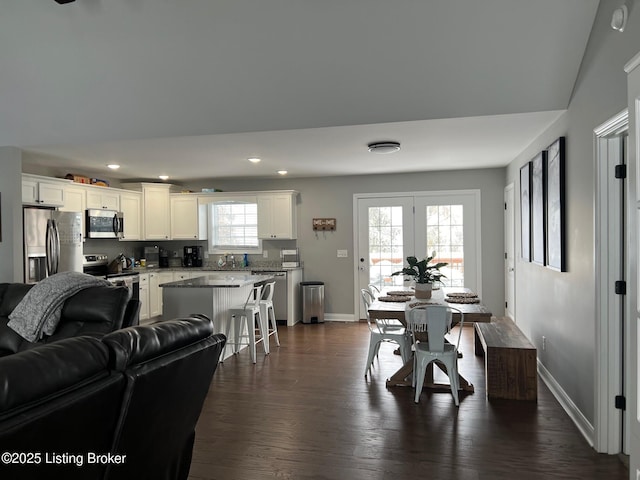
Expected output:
(307, 412)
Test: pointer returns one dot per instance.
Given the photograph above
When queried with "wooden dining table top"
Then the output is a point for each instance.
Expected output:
(473, 312)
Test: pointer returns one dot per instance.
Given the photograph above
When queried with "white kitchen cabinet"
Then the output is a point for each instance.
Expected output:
(156, 209)
(144, 297)
(43, 191)
(131, 208)
(188, 219)
(277, 217)
(75, 200)
(102, 198)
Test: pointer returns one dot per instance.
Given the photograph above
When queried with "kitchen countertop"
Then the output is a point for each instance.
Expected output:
(210, 268)
(217, 281)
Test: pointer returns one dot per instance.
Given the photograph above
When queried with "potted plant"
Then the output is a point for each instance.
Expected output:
(425, 275)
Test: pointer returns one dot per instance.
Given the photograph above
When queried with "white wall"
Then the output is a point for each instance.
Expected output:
(561, 306)
(11, 215)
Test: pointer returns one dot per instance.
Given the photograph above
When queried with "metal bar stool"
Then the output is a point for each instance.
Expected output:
(239, 316)
(268, 316)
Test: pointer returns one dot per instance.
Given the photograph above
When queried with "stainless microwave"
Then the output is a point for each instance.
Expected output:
(104, 223)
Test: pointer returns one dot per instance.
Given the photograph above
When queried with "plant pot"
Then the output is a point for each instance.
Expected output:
(423, 290)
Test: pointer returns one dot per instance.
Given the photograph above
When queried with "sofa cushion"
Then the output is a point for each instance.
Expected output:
(58, 367)
(10, 295)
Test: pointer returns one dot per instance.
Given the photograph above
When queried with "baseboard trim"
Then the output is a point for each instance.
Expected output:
(339, 317)
(587, 430)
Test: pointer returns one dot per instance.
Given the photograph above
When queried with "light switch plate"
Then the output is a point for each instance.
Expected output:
(265, 254)
(343, 253)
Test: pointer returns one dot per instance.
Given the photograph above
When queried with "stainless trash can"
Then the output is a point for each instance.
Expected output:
(312, 302)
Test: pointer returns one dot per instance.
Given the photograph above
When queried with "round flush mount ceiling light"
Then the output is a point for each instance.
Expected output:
(113, 166)
(254, 160)
(619, 18)
(384, 147)
(282, 172)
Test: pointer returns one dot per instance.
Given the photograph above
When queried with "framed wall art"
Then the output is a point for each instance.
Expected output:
(538, 237)
(525, 211)
(555, 208)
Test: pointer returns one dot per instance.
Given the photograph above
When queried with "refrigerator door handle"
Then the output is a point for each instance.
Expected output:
(52, 247)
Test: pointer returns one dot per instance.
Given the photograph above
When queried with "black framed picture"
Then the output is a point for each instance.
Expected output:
(525, 211)
(555, 218)
(538, 237)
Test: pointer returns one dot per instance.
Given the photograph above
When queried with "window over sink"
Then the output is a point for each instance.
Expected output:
(233, 226)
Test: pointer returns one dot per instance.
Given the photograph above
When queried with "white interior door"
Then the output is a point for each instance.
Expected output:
(384, 237)
(509, 252)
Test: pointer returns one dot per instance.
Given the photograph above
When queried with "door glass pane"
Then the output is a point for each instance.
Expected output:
(445, 237)
(385, 245)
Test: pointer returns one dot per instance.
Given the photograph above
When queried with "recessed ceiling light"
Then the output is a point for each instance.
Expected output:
(163, 177)
(384, 147)
(254, 159)
(113, 166)
(282, 172)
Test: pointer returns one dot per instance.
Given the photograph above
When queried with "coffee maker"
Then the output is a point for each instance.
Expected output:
(192, 256)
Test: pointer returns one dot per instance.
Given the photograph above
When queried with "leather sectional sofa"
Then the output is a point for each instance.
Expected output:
(93, 311)
(123, 406)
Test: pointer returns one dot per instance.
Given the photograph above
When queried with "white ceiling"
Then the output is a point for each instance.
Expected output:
(191, 88)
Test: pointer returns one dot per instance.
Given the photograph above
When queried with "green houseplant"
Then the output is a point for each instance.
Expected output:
(424, 274)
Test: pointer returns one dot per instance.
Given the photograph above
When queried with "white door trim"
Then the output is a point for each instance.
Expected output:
(607, 421)
(510, 256)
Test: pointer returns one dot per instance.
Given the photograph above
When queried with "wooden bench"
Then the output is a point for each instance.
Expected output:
(510, 360)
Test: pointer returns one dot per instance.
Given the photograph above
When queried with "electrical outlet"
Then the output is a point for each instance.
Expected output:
(265, 254)
(175, 254)
(544, 342)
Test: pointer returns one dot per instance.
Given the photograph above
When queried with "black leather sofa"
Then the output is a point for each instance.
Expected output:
(93, 311)
(121, 407)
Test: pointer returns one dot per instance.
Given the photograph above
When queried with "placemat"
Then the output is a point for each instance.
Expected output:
(402, 293)
(418, 304)
(395, 298)
(462, 295)
(463, 299)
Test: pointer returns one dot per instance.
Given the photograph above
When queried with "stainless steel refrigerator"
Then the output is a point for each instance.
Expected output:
(52, 243)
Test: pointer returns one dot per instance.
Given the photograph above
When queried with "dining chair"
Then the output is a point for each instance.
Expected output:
(374, 290)
(268, 316)
(429, 324)
(246, 316)
(383, 332)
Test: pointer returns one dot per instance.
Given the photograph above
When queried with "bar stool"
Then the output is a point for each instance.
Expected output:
(268, 315)
(239, 315)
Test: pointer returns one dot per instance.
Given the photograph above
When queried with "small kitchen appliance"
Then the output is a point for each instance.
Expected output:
(152, 256)
(192, 256)
(290, 257)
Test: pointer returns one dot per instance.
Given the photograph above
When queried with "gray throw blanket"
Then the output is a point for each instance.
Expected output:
(39, 312)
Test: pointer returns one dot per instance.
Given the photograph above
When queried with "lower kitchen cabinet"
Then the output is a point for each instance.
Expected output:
(144, 297)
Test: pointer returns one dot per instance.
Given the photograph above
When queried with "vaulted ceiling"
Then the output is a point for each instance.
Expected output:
(191, 88)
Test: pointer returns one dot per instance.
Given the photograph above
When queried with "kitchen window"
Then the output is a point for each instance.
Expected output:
(233, 226)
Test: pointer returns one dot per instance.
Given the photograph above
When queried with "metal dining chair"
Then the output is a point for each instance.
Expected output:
(429, 324)
(383, 332)
(246, 316)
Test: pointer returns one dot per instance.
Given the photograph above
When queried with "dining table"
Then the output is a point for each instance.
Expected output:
(394, 308)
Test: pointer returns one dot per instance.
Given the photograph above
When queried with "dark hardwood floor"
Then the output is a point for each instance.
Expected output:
(307, 412)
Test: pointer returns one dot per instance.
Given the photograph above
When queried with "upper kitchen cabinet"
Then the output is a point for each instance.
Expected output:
(277, 218)
(188, 219)
(44, 191)
(75, 200)
(102, 198)
(131, 208)
(156, 209)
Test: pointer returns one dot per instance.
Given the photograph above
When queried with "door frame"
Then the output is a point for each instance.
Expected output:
(608, 382)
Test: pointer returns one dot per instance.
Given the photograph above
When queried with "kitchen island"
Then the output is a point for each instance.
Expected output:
(211, 295)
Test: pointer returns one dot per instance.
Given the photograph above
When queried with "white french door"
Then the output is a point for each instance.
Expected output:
(390, 227)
